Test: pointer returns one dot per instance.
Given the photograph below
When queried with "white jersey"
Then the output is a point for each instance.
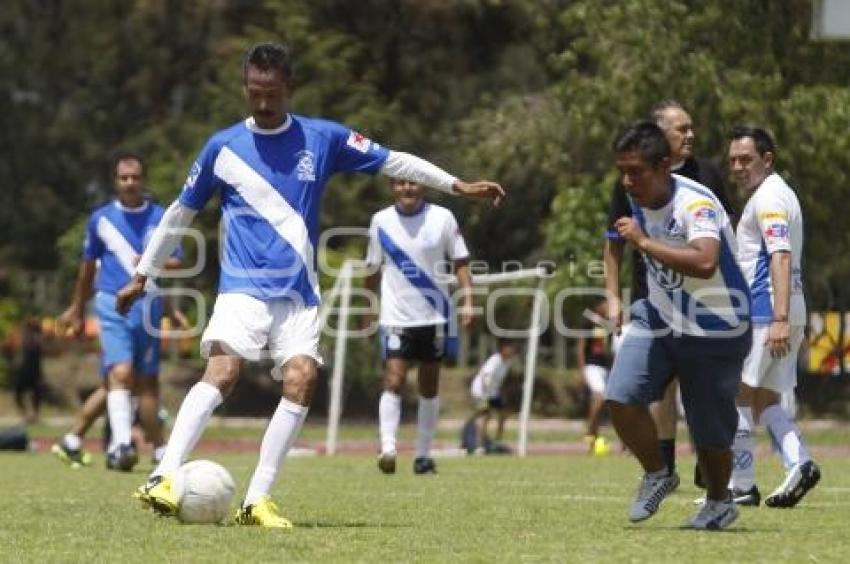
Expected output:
(417, 251)
(772, 222)
(488, 382)
(690, 305)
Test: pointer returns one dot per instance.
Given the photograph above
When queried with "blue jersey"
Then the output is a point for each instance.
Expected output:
(116, 236)
(270, 184)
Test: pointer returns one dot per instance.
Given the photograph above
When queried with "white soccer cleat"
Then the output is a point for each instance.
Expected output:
(800, 479)
(651, 493)
(714, 515)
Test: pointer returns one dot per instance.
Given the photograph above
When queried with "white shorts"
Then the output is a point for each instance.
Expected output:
(595, 377)
(246, 326)
(763, 371)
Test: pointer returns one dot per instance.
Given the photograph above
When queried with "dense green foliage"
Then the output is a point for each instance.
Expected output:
(528, 93)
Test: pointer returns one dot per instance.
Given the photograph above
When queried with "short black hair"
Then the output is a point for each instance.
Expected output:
(268, 56)
(761, 138)
(125, 155)
(646, 138)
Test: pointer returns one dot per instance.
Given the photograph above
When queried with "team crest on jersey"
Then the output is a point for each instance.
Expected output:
(193, 175)
(666, 277)
(306, 167)
(358, 142)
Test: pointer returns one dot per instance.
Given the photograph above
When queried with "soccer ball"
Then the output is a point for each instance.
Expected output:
(205, 490)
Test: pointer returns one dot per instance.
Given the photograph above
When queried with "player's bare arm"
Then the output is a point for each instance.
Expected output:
(612, 258)
(481, 189)
(698, 258)
(464, 279)
(73, 318)
(779, 334)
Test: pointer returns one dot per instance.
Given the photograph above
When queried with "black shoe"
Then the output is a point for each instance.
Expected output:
(424, 465)
(122, 458)
(386, 463)
(750, 497)
(800, 479)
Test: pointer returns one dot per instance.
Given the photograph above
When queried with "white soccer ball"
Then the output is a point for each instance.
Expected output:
(205, 490)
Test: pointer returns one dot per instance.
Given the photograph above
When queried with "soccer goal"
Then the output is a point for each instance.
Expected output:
(341, 293)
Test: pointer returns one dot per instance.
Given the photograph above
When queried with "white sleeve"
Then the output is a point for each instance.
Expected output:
(772, 214)
(455, 243)
(165, 238)
(412, 168)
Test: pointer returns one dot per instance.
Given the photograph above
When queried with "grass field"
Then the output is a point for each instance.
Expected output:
(478, 509)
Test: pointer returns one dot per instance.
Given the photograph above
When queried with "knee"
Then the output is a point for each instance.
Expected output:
(223, 374)
(299, 379)
(121, 376)
(393, 380)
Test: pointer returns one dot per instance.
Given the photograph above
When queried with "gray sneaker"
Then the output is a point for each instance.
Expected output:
(714, 515)
(651, 493)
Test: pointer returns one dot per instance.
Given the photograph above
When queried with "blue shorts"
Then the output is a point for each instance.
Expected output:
(708, 368)
(127, 339)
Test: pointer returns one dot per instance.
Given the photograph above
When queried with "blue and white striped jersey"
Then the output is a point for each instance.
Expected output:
(772, 221)
(690, 305)
(116, 236)
(416, 251)
(270, 183)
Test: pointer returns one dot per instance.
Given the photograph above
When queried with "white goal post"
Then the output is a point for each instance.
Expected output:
(342, 291)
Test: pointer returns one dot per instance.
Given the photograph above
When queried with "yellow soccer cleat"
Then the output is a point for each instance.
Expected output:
(73, 458)
(158, 495)
(263, 513)
(600, 447)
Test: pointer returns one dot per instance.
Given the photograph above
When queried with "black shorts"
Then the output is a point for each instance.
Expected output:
(497, 402)
(428, 343)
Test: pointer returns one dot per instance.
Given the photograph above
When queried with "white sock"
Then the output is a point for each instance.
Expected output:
(280, 435)
(786, 435)
(159, 452)
(743, 451)
(389, 417)
(120, 415)
(427, 415)
(72, 441)
(195, 411)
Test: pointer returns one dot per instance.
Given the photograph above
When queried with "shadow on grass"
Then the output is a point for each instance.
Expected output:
(347, 525)
(734, 530)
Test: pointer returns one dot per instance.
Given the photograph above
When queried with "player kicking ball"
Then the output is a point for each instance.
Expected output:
(269, 172)
(694, 323)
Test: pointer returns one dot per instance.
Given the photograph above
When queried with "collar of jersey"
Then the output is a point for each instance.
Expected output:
(125, 209)
(417, 211)
(251, 125)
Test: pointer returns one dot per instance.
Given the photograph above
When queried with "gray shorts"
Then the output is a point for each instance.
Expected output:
(708, 368)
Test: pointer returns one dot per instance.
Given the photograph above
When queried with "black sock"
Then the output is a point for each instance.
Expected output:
(668, 453)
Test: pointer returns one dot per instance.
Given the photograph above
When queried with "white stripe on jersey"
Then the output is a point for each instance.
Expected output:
(772, 221)
(121, 248)
(270, 205)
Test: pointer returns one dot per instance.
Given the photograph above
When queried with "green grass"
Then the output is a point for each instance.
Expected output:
(479, 509)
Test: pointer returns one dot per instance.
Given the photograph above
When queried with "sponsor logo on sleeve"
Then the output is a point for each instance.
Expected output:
(705, 218)
(194, 173)
(776, 232)
(779, 214)
(700, 204)
(358, 142)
